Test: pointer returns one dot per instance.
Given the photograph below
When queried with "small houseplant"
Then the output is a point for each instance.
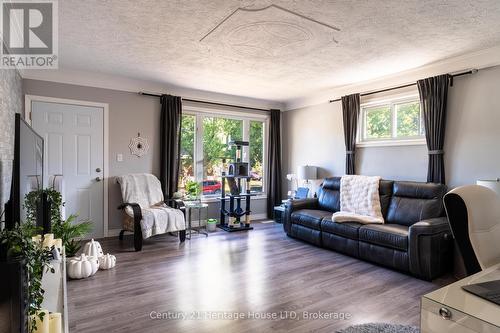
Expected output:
(193, 190)
(70, 233)
(17, 245)
(67, 230)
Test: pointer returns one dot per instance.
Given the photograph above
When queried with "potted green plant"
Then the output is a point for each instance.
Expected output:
(17, 246)
(67, 230)
(193, 190)
(70, 233)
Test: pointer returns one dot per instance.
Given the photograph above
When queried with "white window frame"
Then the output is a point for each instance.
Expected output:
(200, 112)
(362, 141)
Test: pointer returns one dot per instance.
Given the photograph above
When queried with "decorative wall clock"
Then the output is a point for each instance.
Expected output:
(139, 146)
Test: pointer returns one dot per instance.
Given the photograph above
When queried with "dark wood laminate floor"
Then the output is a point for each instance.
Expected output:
(261, 272)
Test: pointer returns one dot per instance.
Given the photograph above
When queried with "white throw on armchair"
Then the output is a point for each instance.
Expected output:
(147, 213)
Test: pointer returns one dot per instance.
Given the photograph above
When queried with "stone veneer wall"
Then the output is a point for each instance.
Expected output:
(11, 102)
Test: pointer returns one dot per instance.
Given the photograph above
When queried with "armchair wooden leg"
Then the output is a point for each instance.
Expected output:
(182, 235)
(137, 236)
(120, 236)
(138, 240)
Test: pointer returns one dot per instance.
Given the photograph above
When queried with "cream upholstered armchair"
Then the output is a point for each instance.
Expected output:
(147, 213)
(474, 215)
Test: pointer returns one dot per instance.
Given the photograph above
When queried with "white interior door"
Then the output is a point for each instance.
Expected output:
(74, 147)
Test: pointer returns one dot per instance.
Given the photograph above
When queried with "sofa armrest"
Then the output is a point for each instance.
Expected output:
(430, 248)
(293, 205)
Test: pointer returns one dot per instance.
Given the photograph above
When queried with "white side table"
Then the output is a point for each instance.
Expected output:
(452, 309)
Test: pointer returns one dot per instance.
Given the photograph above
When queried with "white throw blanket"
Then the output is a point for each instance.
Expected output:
(157, 218)
(359, 200)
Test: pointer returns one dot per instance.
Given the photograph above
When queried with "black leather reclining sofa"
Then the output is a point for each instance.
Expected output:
(415, 237)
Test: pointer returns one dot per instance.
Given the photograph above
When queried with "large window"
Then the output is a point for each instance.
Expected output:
(204, 148)
(395, 121)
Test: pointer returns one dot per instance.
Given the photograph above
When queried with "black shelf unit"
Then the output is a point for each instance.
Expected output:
(235, 210)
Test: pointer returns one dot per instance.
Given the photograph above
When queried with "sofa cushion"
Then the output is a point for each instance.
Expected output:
(412, 202)
(345, 229)
(393, 236)
(385, 192)
(310, 218)
(329, 194)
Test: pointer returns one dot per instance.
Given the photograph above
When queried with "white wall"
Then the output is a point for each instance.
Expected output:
(129, 113)
(11, 102)
(314, 135)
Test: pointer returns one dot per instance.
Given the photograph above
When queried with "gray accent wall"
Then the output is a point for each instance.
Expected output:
(129, 113)
(314, 135)
(11, 102)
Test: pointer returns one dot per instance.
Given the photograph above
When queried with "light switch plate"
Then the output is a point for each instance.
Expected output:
(119, 157)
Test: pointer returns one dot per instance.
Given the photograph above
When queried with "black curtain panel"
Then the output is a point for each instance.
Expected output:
(274, 159)
(433, 98)
(350, 113)
(170, 142)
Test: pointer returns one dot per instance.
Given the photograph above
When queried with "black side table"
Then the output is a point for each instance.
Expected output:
(278, 213)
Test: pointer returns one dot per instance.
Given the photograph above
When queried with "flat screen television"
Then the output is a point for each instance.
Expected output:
(27, 173)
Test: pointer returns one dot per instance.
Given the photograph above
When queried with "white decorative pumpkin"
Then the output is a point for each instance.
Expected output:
(82, 267)
(93, 249)
(107, 261)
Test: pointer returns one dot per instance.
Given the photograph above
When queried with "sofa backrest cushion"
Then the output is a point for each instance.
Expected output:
(415, 201)
(385, 192)
(329, 194)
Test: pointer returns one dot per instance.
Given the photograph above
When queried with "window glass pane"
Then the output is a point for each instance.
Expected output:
(217, 132)
(378, 122)
(408, 119)
(187, 150)
(256, 155)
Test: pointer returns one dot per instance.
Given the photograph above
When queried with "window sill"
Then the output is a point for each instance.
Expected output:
(216, 199)
(391, 143)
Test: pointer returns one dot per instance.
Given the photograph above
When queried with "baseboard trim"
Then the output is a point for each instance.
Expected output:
(255, 217)
(113, 232)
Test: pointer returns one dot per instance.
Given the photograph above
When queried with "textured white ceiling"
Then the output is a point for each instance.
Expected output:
(273, 53)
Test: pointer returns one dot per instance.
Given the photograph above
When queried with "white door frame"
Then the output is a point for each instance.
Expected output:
(28, 99)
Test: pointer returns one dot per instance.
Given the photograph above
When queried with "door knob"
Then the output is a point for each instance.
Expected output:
(97, 179)
(98, 170)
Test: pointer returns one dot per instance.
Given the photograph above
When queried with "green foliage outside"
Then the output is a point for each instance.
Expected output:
(217, 132)
(379, 121)
(408, 118)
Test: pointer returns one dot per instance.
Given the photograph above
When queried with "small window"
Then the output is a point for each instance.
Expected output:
(392, 122)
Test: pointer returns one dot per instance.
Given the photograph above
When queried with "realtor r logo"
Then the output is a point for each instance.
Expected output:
(29, 34)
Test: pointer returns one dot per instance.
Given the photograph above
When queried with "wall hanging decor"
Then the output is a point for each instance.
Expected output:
(139, 146)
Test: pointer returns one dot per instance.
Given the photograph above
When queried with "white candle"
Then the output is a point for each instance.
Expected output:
(55, 323)
(58, 244)
(48, 240)
(42, 326)
(37, 239)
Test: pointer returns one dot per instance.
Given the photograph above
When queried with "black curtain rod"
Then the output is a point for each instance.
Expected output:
(472, 71)
(206, 102)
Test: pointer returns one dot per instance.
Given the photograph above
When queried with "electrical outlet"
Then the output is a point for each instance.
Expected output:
(119, 157)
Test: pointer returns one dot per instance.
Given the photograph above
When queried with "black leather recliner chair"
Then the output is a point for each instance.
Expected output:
(415, 237)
